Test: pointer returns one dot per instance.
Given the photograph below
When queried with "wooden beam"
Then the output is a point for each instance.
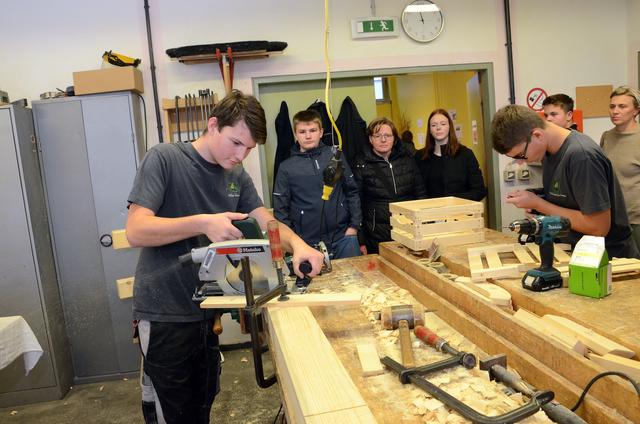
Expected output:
(316, 385)
(307, 299)
(618, 363)
(577, 369)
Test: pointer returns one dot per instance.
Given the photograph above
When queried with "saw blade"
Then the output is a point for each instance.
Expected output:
(259, 281)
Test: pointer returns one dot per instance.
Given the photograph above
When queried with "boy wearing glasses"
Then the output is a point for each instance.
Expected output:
(297, 192)
(578, 179)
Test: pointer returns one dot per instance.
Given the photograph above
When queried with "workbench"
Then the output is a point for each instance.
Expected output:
(469, 322)
(617, 316)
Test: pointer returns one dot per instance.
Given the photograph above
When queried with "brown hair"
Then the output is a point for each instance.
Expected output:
(452, 145)
(236, 107)
(374, 127)
(560, 99)
(512, 125)
(307, 116)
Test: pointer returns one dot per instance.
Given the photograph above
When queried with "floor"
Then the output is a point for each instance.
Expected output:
(239, 401)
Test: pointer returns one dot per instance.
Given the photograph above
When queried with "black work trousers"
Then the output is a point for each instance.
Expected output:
(183, 362)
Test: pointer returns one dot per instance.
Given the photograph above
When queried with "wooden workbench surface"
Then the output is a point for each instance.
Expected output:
(388, 400)
(615, 316)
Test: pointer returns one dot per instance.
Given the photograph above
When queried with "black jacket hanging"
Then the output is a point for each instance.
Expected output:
(328, 136)
(285, 136)
(353, 130)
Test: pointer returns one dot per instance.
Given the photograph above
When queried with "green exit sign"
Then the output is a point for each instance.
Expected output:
(379, 26)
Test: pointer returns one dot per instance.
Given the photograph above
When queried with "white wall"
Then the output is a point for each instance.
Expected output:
(558, 44)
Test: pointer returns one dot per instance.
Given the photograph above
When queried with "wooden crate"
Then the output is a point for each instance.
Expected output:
(448, 220)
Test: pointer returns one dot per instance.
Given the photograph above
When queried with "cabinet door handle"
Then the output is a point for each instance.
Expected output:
(106, 240)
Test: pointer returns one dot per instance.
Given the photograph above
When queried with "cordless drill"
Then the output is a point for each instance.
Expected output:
(542, 230)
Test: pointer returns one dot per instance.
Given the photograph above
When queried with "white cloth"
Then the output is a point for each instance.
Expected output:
(17, 338)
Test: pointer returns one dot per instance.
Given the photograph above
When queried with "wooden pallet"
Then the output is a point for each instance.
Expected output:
(524, 257)
(448, 220)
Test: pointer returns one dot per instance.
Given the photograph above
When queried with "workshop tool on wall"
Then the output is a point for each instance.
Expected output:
(497, 367)
(403, 317)
(178, 118)
(202, 112)
(542, 230)
(226, 64)
(468, 360)
(118, 59)
(187, 116)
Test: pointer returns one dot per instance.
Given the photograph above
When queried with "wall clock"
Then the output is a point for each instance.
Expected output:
(422, 20)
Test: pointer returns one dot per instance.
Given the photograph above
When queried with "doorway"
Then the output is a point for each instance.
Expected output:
(408, 96)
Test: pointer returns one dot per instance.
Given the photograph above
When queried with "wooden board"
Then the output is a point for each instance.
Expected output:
(369, 359)
(307, 299)
(319, 386)
(554, 355)
(594, 341)
(617, 363)
(550, 330)
(594, 100)
(119, 239)
(125, 287)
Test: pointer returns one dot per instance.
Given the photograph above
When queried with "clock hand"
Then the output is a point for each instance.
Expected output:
(421, 18)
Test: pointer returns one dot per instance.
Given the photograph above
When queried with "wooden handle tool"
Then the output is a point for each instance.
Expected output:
(406, 350)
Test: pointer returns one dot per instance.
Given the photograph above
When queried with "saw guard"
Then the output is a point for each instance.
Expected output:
(215, 258)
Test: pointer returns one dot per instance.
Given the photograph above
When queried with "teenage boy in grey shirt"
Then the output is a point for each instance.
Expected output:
(578, 179)
(186, 196)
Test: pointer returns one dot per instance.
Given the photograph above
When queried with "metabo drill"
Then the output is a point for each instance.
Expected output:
(542, 230)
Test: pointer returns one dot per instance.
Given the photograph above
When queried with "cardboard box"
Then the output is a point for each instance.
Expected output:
(109, 79)
(589, 268)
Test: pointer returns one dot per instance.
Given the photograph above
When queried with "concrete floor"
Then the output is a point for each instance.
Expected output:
(239, 401)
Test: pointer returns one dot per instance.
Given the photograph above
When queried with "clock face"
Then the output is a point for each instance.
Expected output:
(422, 20)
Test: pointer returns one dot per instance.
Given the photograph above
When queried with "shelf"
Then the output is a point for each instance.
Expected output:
(211, 57)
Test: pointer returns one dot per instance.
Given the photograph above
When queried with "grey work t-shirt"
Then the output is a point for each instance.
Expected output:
(579, 176)
(175, 181)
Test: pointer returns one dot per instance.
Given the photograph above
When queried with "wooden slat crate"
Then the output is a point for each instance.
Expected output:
(449, 220)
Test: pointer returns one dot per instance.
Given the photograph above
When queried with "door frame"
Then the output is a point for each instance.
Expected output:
(487, 89)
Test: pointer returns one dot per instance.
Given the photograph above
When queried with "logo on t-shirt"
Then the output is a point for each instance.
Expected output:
(555, 189)
(233, 189)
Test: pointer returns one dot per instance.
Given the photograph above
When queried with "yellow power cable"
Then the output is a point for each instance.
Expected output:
(328, 82)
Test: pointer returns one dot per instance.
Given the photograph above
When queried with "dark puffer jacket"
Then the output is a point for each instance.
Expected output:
(297, 197)
(381, 182)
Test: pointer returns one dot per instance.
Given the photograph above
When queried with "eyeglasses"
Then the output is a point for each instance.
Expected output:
(382, 136)
(523, 155)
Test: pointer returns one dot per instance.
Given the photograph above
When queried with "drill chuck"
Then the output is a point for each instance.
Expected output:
(525, 226)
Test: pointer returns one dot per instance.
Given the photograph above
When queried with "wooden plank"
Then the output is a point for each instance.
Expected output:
(443, 240)
(522, 254)
(307, 299)
(358, 415)
(575, 368)
(311, 372)
(594, 341)
(557, 333)
(119, 238)
(125, 287)
(618, 363)
(369, 359)
(527, 365)
(493, 260)
(560, 255)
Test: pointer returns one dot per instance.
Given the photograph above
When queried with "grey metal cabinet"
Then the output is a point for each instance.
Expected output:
(90, 147)
(28, 284)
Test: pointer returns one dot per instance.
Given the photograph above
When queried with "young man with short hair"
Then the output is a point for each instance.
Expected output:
(185, 196)
(621, 144)
(297, 192)
(558, 109)
(578, 179)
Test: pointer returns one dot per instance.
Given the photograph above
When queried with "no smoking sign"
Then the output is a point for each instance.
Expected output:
(535, 97)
